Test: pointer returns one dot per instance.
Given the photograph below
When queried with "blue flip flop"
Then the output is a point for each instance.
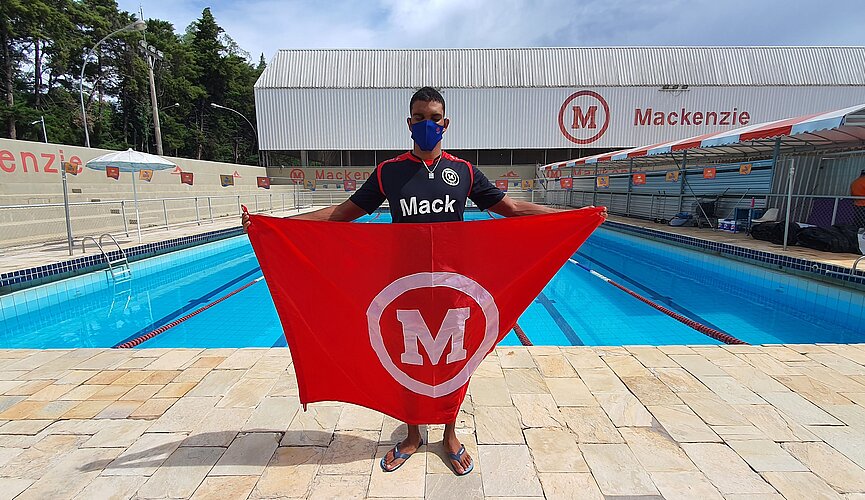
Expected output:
(457, 457)
(398, 454)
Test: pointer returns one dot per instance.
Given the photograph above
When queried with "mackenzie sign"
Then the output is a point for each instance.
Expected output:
(585, 116)
(549, 117)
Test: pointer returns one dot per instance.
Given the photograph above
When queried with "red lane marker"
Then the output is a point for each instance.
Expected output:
(524, 339)
(147, 336)
(705, 330)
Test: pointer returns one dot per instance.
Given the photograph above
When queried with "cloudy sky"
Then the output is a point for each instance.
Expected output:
(264, 26)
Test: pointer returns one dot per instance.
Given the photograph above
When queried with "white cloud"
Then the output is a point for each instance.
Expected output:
(268, 25)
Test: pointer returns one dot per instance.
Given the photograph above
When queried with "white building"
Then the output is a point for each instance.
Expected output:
(538, 105)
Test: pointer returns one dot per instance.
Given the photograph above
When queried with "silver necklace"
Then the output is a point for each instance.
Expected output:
(431, 172)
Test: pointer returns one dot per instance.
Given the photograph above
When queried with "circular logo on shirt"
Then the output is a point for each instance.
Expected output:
(450, 177)
(422, 333)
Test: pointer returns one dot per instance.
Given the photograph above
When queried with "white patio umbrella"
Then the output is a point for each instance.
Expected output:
(131, 161)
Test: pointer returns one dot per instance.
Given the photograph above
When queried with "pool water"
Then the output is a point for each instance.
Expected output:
(757, 305)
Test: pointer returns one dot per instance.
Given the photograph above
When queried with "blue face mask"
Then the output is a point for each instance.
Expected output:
(427, 134)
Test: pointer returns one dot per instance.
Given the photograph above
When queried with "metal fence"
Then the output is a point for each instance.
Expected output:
(45, 223)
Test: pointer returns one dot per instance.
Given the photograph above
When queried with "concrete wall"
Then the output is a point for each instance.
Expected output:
(30, 177)
(29, 173)
(333, 176)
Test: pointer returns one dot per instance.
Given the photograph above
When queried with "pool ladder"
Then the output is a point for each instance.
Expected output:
(118, 269)
(855, 265)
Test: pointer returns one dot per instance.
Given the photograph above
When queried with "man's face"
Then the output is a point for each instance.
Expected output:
(428, 110)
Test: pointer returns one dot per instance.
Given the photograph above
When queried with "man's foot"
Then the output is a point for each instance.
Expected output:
(400, 453)
(461, 461)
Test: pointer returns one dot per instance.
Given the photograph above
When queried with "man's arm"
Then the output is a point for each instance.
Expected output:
(510, 207)
(346, 211)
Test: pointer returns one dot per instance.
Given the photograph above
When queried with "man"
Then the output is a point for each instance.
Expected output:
(857, 188)
(425, 185)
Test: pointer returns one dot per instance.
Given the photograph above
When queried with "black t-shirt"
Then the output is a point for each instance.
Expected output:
(413, 196)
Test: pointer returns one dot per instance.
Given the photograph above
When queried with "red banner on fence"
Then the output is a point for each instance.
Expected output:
(709, 173)
(113, 172)
(70, 168)
(502, 184)
(186, 178)
(263, 182)
(411, 310)
(566, 183)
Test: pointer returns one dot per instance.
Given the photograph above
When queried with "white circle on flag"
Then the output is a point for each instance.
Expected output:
(415, 281)
(450, 177)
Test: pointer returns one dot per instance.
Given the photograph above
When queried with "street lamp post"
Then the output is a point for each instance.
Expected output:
(146, 139)
(152, 56)
(255, 134)
(138, 25)
(65, 188)
(44, 133)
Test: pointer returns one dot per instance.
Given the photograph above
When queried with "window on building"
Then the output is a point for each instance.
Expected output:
(358, 158)
(383, 155)
(528, 156)
(494, 157)
(469, 155)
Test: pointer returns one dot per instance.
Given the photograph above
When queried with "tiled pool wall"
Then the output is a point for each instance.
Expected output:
(79, 287)
(806, 298)
(26, 278)
(798, 267)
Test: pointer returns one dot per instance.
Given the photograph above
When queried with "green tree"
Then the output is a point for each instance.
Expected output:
(45, 42)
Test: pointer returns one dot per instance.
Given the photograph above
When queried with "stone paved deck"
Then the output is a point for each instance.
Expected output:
(730, 422)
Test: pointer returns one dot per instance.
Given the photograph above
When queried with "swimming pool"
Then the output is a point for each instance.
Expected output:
(752, 303)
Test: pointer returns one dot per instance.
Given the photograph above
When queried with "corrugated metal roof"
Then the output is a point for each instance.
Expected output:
(565, 67)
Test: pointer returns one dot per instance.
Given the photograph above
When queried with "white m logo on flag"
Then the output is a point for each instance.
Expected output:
(415, 329)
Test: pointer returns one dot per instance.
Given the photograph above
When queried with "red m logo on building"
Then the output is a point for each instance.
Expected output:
(585, 120)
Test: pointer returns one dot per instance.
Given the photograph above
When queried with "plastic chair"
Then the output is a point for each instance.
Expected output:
(771, 215)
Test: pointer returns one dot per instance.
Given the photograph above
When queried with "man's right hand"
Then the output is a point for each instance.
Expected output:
(244, 221)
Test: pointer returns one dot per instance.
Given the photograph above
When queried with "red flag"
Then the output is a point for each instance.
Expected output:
(566, 182)
(113, 172)
(709, 173)
(186, 178)
(263, 182)
(350, 185)
(639, 179)
(502, 184)
(411, 310)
